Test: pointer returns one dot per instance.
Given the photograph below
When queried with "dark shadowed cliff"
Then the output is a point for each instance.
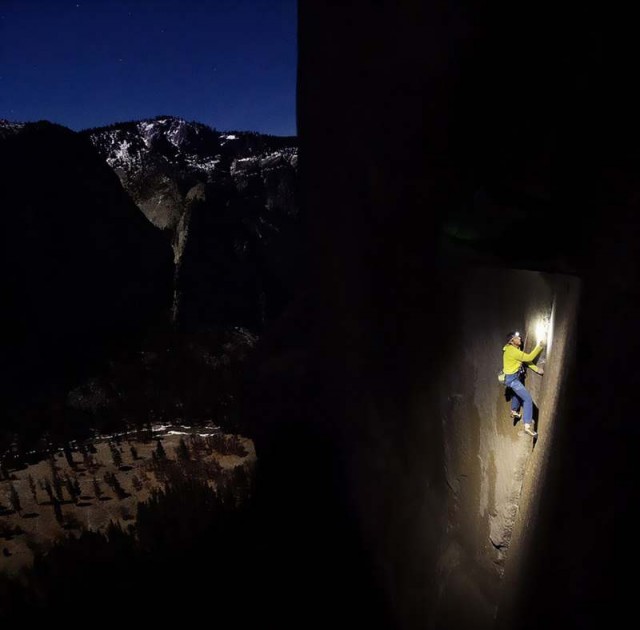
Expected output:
(487, 178)
(83, 270)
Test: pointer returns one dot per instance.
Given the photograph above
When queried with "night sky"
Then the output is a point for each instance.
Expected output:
(230, 64)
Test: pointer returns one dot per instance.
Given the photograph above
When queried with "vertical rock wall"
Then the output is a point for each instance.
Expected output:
(425, 506)
(410, 474)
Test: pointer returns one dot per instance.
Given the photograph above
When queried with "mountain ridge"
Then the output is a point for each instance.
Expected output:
(238, 188)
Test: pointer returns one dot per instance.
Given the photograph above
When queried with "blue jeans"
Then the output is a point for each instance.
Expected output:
(520, 397)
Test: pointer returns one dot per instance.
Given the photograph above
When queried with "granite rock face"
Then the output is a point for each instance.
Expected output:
(414, 482)
(228, 204)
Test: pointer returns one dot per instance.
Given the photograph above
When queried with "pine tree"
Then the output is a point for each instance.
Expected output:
(32, 486)
(160, 452)
(89, 463)
(57, 486)
(68, 455)
(183, 451)
(71, 488)
(112, 480)
(49, 490)
(14, 499)
(115, 455)
(57, 510)
(119, 490)
(97, 490)
(137, 484)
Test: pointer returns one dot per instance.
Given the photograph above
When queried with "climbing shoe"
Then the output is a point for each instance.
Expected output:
(516, 414)
(528, 428)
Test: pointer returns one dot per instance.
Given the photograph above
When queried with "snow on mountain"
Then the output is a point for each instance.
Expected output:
(8, 128)
(187, 146)
(227, 201)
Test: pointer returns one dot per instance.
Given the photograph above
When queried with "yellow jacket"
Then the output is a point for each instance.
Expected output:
(514, 358)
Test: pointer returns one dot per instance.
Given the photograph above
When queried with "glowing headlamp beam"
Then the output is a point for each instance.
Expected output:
(542, 328)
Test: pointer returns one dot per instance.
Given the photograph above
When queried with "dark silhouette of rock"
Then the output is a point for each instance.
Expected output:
(83, 270)
(449, 116)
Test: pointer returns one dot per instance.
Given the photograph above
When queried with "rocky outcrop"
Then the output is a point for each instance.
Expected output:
(226, 201)
(82, 269)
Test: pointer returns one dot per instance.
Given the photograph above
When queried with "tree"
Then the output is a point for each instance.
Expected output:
(115, 454)
(14, 499)
(89, 462)
(112, 481)
(55, 478)
(137, 484)
(68, 455)
(32, 486)
(57, 510)
(49, 490)
(160, 452)
(97, 490)
(57, 486)
(183, 451)
(71, 488)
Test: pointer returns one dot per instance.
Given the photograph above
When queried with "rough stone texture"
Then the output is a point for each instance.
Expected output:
(487, 458)
(431, 475)
(410, 467)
